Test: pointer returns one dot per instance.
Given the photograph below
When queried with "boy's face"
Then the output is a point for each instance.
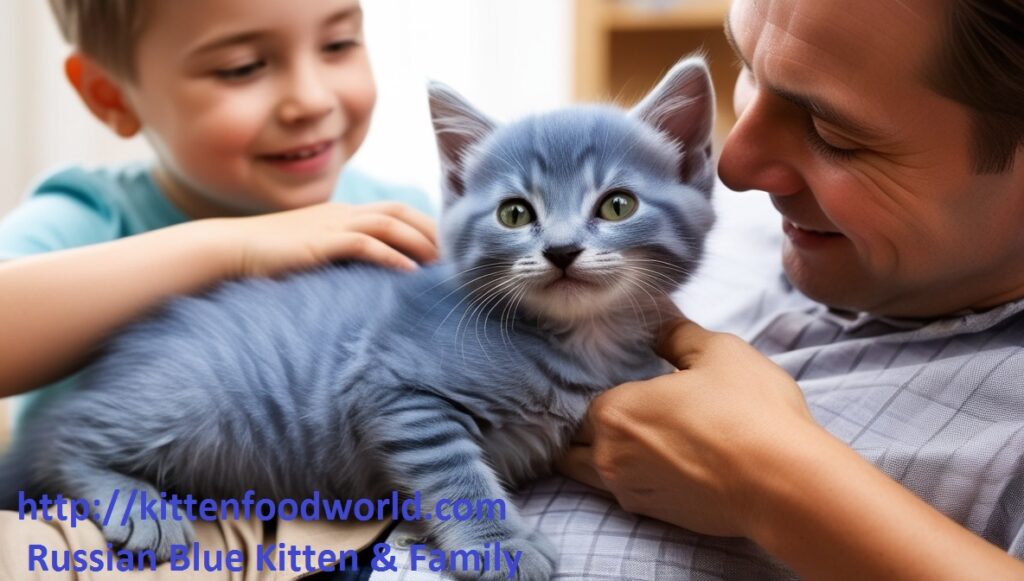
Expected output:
(871, 169)
(252, 105)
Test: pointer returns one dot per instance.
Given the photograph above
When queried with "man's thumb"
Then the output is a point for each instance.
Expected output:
(680, 341)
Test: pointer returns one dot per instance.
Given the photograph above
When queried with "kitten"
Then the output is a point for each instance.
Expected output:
(563, 235)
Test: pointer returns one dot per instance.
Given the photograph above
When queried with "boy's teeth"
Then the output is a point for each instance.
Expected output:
(301, 154)
(304, 154)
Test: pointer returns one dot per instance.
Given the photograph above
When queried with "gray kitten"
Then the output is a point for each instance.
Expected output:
(563, 235)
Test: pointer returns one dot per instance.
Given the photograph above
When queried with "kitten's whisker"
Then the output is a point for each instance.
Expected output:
(484, 300)
(637, 309)
(469, 294)
(505, 311)
(498, 264)
(668, 265)
(498, 297)
(657, 272)
(499, 269)
(506, 336)
(669, 281)
(498, 301)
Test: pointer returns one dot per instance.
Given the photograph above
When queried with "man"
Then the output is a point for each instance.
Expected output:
(888, 135)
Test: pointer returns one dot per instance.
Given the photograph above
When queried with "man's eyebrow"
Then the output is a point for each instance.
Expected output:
(351, 12)
(814, 107)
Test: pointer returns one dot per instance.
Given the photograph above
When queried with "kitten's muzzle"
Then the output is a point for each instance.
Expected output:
(562, 256)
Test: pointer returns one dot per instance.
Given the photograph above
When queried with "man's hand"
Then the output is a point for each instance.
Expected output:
(687, 447)
(386, 233)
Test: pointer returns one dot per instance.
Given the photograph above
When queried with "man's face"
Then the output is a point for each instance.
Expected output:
(253, 105)
(870, 169)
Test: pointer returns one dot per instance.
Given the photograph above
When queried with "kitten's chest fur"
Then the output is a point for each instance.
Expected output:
(529, 388)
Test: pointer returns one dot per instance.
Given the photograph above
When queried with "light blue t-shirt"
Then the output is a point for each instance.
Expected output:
(78, 206)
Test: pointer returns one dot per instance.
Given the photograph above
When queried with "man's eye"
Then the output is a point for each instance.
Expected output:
(242, 72)
(826, 149)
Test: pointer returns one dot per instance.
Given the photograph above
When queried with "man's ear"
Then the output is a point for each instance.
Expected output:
(101, 94)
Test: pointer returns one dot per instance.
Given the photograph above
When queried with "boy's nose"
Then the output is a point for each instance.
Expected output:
(307, 97)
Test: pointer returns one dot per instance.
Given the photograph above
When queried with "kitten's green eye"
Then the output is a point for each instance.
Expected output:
(618, 205)
(515, 213)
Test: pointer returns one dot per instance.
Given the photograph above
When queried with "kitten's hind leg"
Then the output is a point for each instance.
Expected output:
(130, 511)
(429, 447)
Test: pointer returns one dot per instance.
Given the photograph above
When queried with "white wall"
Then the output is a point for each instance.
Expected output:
(508, 56)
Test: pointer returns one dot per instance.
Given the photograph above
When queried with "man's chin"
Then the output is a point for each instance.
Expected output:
(837, 290)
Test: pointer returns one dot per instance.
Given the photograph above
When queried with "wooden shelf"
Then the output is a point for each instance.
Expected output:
(685, 14)
(622, 49)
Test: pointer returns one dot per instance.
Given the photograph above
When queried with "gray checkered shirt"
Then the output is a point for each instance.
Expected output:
(937, 405)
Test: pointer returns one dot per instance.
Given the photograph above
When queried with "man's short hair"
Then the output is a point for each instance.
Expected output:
(980, 64)
(106, 31)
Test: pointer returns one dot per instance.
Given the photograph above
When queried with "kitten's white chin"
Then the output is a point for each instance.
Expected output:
(570, 301)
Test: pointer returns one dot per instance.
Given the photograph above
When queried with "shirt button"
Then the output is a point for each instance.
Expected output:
(404, 542)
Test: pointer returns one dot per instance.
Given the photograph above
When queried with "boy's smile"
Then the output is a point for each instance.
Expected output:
(302, 160)
(252, 105)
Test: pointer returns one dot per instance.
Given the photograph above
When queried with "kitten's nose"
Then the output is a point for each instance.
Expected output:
(562, 256)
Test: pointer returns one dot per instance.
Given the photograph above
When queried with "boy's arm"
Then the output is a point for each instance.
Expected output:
(56, 308)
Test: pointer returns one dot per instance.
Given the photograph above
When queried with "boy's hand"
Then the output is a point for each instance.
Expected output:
(386, 233)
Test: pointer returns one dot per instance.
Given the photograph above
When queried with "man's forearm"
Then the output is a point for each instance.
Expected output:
(56, 308)
(841, 518)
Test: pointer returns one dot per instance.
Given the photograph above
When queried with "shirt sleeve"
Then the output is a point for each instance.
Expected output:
(57, 216)
(356, 187)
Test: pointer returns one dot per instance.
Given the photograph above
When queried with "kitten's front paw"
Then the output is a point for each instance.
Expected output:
(532, 558)
(149, 535)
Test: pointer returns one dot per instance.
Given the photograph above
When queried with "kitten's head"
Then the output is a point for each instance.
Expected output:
(590, 208)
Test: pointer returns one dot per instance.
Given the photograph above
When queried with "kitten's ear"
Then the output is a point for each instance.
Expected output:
(682, 106)
(458, 126)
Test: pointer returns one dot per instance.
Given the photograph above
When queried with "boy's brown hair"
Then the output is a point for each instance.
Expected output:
(104, 30)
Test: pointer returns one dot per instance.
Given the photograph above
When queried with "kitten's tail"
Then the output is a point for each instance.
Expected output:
(14, 476)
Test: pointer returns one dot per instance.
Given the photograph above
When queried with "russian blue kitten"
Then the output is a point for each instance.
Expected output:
(562, 236)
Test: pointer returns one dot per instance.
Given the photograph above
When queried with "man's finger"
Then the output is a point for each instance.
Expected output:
(680, 341)
(577, 464)
(585, 435)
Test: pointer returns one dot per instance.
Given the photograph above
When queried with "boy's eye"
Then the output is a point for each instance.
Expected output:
(339, 46)
(240, 72)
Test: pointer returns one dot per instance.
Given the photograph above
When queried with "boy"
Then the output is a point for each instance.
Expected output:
(252, 107)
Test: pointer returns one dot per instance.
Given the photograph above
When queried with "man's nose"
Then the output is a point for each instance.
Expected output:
(764, 149)
(306, 96)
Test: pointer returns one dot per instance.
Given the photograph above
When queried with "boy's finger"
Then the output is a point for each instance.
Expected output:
(397, 234)
(415, 218)
(358, 246)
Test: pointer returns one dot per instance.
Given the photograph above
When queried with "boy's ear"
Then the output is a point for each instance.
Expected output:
(458, 126)
(101, 94)
(682, 106)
